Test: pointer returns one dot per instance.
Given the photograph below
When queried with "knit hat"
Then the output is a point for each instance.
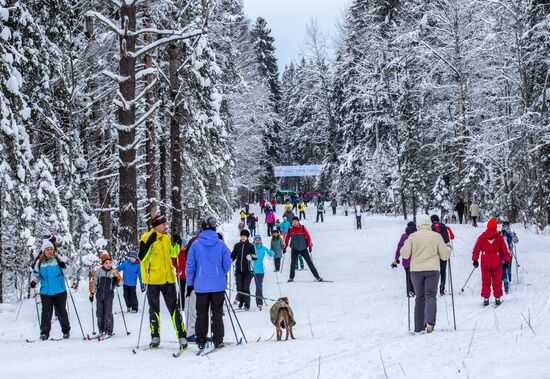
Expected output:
(492, 224)
(434, 218)
(52, 239)
(423, 220)
(295, 218)
(158, 220)
(104, 257)
(257, 238)
(411, 223)
(46, 244)
(209, 223)
(134, 254)
(245, 233)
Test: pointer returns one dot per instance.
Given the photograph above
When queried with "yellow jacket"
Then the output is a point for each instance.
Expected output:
(158, 260)
(302, 207)
(288, 207)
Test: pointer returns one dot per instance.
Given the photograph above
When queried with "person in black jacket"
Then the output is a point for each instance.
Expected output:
(441, 228)
(252, 220)
(460, 207)
(243, 254)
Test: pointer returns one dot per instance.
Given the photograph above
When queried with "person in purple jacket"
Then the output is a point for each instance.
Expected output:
(208, 263)
(411, 228)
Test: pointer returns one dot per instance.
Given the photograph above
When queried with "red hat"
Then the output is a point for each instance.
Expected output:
(104, 257)
(492, 224)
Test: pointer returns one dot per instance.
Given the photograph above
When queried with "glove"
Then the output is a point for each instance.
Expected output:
(189, 290)
(91, 298)
(62, 265)
(397, 261)
(476, 264)
(394, 264)
(249, 257)
(33, 284)
(143, 288)
(310, 250)
(506, 265)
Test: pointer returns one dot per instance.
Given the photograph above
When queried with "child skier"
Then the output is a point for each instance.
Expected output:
(258, 266)
(277, 249)
(511, 239)
(492, 248)
(104, 281)
(285, 226)
(131, 269)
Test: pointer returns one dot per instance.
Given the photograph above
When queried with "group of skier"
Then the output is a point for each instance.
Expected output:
(424, 252)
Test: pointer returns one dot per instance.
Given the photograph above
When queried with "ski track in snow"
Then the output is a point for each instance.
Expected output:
(358, 323)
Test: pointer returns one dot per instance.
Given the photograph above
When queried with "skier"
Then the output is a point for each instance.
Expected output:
(285, 226)
(441, 228)
(460, 207)
(207, 265)
(289, 215)
(300, 244)
(132, 272)
(333, 205)
(288, 206)
(104, 281)
(155, 253)
(48, 270)
(511, 239)
(492, 248)
(246, 207)
(346, 207)
(277, 225)
(252, 220)
(424, 249)
(277, 249)
(358, 213)
(270, 219)
(262, 204)
(302, 208)
(243, 253)
(320, 211)
(474, 212)
(179, 250)
(274, 205)
(258, 267)
(411, 228)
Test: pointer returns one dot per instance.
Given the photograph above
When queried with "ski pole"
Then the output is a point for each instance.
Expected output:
(231, 319)
(93, 323)
(20, 299)
(236, 318)
(143, 310)
(467, 280)
(122, 311)
(36, 304)
(74, 306)
(452, 293)
(259, 288)
(408, 301)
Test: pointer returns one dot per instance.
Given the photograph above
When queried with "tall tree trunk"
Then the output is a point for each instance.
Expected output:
(151, 180)
(163, 183)
(127, 133)
(1, 249)
(175, 145)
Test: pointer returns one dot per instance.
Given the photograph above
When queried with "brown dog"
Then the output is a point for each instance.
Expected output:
(283, 318)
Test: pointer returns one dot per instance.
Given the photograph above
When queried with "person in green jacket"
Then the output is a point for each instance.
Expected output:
(277, 249)
(258, 267)
(320, 211)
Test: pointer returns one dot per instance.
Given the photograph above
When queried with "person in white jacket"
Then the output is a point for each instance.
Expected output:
(358, 213)
(474, 212)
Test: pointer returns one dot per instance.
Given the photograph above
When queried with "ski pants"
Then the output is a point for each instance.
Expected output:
(443, 276)
(333, 211)
(59, 302)
(491, 276)
(181, 294)
(474, 220)
(252, 232)
(168, 291)
(320, 214)
(243, 280)
(130, 297)
(259, 281)
(410, 287)
(206, 302)
(307, 257)
(269, 230)
(302, 213)
(105, 313)
(460, 217)
(358, 218)
(191, 314)
(277, 264)
(425, 305)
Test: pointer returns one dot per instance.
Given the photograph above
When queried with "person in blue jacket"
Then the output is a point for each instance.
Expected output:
(208, 262)
(48, 270)
(261, 251)
(285, 226)
(131, 269)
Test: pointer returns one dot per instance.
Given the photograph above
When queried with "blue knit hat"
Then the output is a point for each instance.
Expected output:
(134, 254)
(257, 237)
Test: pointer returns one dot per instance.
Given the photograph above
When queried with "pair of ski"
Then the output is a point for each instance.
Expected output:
(49, 339)
(207, 351)
(103, 337)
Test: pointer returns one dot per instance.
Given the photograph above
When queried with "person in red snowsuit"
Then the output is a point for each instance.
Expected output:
(492, 248)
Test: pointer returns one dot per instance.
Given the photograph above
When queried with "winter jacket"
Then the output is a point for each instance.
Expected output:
(274, 202)
(511, 237)
(441, 229)
(270, 218)
(277, 247)
(408, 231)
(155, 254)
(299, 238)
(288, 208)
(333, 204)
(252, 222)
(424, 249)
(492, 248)
(181, 266)
(358, 210)
(274, 312)
(321, 207)
(208, 263)
(285, 226)
(261, 251)
(460, 207)
(48, 272)
(289, 215)
(239, 253)
(474, 210)
(302, 207)
(262, 203)
(131, 272)
(104, 281)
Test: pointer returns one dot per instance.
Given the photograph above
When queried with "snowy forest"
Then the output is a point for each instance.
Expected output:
(114, 111)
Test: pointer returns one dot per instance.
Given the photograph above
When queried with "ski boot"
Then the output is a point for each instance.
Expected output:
(259, 308)
(183, 343)
(290, 280)
(497, 302)
(485, 302)
(155, 343)
(429, 328)
(319, 279)
(44, 337)
(221, 345)
(66, 336)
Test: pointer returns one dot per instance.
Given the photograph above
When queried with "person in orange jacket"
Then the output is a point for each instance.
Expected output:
(491, 248)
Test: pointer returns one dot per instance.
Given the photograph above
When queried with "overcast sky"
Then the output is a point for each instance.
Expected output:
(288, 20)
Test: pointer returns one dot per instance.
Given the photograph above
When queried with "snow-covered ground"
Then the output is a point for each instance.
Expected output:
(355, 327)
